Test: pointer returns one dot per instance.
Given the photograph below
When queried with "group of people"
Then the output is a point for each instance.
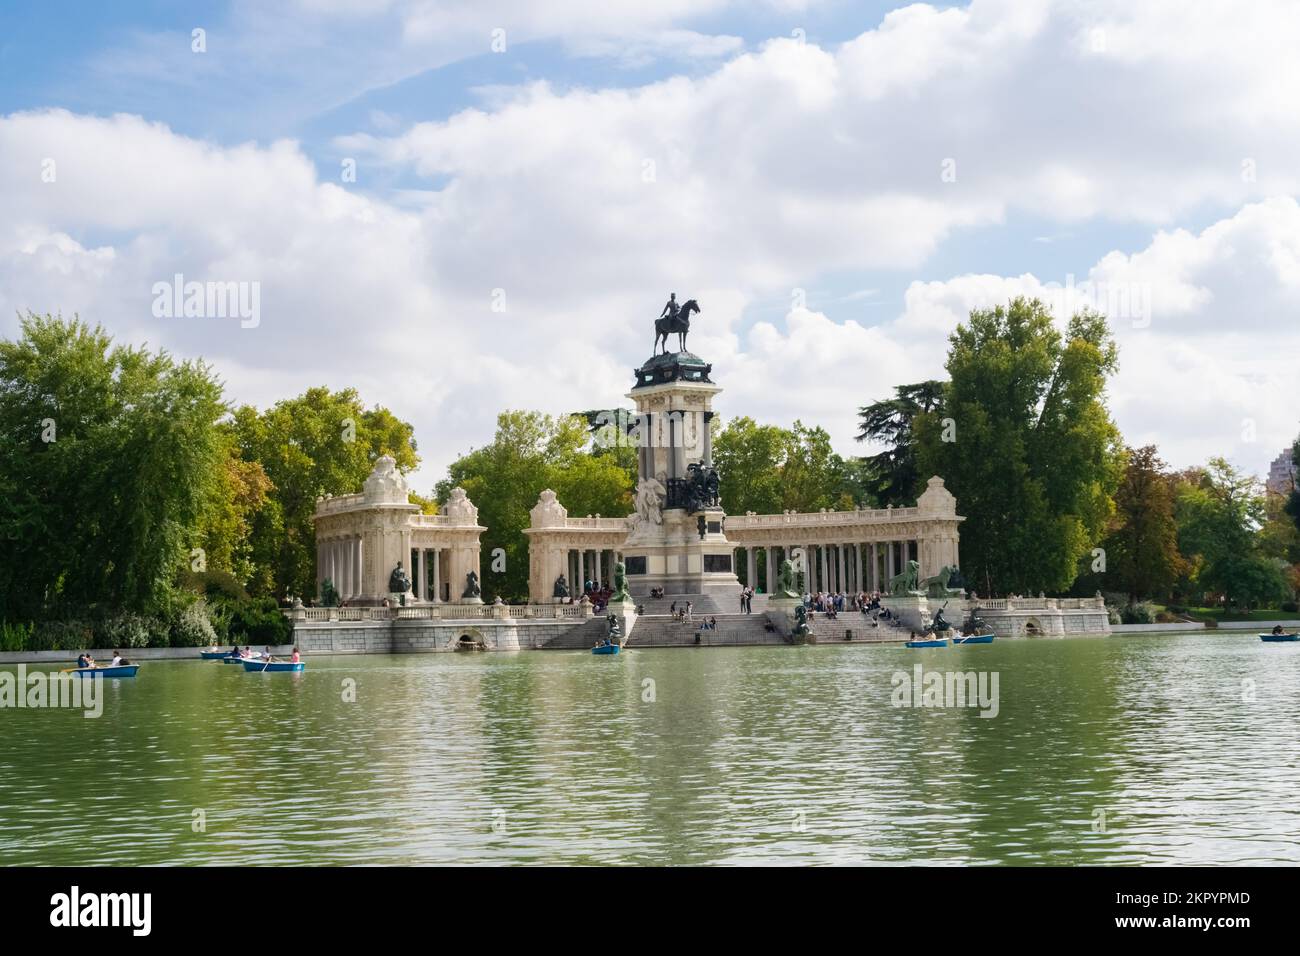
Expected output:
(746, 599)
(84, 660)
(598, 593)
(247, 654)
(831, 603)
(683, 614)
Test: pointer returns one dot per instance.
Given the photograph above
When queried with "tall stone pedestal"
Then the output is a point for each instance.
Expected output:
(915, 611)
(780, 614)
(676, 543)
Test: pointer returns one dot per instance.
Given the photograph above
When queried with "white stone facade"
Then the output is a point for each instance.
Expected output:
(361, 538)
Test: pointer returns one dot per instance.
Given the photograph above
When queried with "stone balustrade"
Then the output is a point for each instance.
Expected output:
(442, 612)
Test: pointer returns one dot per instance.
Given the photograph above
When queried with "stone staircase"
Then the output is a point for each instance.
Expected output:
(583, 636)
(662, 630)
(710, 605)
(832, 632)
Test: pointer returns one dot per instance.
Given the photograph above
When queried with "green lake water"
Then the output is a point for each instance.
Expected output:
(1121, 750)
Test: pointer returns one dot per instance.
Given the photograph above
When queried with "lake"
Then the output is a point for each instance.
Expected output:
(1135, 749)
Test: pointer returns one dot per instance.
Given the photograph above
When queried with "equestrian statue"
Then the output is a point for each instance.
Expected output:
(674, 318)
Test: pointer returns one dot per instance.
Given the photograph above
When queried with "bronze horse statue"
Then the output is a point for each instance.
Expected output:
(679, 323)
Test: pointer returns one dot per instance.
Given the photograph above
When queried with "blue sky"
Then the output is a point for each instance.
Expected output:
(796, 149)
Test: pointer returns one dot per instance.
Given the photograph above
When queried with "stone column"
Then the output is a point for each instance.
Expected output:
(821, 568)
(422, 578)
(889, 561)
(580, 583)
(751, 568)
(599, 565)
(769, 572)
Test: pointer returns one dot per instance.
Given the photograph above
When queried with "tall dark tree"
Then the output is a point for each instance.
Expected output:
(1025, 443)
(893, 476)
(1141, 551)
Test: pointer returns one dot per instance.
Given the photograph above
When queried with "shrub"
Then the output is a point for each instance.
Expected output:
(16, 637)
(192, 627)
(68, 635)
(1290, 607)
(258, 621)
(1113, 615)
(1140, 613)
(131, 630)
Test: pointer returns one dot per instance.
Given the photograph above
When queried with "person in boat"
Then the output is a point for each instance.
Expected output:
(85, 660)
(296, 657)
(117, 659)
(266, 654)
(1277, 629)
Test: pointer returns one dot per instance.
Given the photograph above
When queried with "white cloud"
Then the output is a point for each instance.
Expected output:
(782, 165)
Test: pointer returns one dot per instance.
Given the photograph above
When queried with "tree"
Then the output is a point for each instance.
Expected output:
(529, 453)
(1033, 457)
(768, 469)
(108, 458)
(748, 457)
(1220, 512)
(320, 442)
(893, 476)
(240, 490)
(1142, 549)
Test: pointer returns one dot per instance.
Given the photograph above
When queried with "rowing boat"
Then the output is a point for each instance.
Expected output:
(605, 649)
(261, 667)
(1279, 638)
(927, 643)
(122, 670)
(973, 639)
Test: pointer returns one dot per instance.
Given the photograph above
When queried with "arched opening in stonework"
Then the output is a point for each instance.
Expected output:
(470, 639)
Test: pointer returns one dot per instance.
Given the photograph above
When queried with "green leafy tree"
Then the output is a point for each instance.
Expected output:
(109, 456)
(893, 476)
(321, 442)
(1142, 553)
(748, 457)
(1033, 457)
(529, 453)
(1220, 512)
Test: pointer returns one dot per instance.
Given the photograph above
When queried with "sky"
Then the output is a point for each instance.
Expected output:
(463, 207)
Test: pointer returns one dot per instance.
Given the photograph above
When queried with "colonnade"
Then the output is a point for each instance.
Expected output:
(342, 562)
(849, 567)
(590, 564)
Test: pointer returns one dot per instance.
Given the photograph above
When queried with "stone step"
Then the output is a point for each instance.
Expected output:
(662, 630)
(707, 604)
(582, 636)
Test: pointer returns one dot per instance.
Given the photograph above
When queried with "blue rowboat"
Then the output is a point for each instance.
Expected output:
(237, 660)
(123, 670)
(215, 655)
(605, 649)
(927, 643)
(1279, 638)
(261, 667)
(973, 639)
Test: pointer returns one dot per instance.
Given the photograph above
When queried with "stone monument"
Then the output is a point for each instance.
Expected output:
(676, 539)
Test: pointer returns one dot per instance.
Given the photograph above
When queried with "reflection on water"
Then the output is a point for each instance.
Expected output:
(1136, 749)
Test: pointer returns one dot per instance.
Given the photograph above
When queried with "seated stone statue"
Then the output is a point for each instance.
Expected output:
(941, 584)
(399, 582)
(906, 581)
(620, 582)
(472, 589)
(785, 580)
